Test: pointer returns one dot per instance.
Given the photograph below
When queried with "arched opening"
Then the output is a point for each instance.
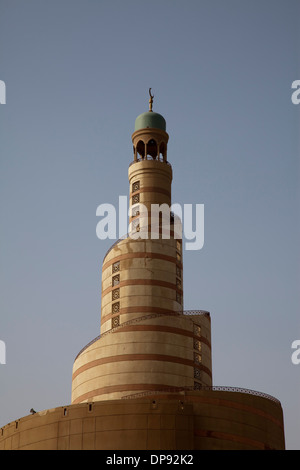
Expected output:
(152, 149)
(140, 149)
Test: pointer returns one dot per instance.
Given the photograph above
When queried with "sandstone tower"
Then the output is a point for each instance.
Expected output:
(147, 342)
(145, 383)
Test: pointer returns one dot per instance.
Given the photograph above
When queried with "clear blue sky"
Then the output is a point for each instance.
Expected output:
(77, 74)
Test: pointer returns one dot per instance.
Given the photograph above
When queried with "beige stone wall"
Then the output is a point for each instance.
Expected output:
(187, 421)
(121, 425)
(141, 277)
(236, 421)
(155, 352)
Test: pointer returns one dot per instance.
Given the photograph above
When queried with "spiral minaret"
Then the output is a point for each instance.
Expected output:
(147, 342)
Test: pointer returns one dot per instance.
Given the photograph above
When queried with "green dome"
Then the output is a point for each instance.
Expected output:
(150, 119)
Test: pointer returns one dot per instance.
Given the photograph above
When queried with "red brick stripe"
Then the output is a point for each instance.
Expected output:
(139, 309)
(143, 254)
(151, 189)
(233, 404)
(166, 329)
(121, 388)
(139, 357)
(224, 436)
(142, 282)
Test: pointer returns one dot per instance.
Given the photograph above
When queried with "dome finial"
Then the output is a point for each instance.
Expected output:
(151, 100)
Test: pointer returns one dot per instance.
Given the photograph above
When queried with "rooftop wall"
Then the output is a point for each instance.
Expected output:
(217, 420)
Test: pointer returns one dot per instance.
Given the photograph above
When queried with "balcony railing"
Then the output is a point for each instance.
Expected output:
(150, 158)
(196, 312)
(115, 243)
(204, 388)
(138, 319)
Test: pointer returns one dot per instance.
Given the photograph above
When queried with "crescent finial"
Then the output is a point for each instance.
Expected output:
(151, 100)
